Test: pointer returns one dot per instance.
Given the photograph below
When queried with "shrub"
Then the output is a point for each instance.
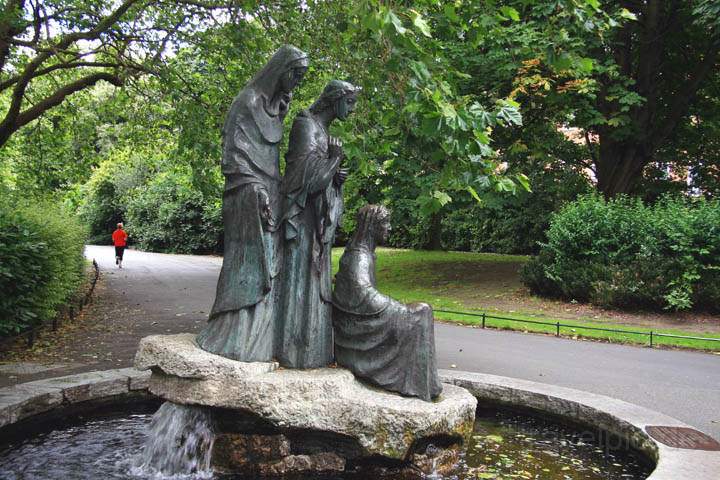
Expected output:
(171, 215)
(623, 253)
(41, 262)
(104, 197)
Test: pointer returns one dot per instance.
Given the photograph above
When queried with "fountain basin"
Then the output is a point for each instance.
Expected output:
(629, 422)
(107, 439)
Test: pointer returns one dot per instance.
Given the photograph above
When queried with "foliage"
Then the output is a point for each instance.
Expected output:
(461, 112)
(496, 223)
(623, 253)
(169, 215)
(49, 51)
(102, 201)
(630, 77)
(41, 261)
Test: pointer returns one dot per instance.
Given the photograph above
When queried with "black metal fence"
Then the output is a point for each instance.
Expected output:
(653, 336)
(70, 310)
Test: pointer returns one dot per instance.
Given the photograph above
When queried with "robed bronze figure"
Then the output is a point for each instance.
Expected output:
(379, 339)
(241, 325)
(313, 205)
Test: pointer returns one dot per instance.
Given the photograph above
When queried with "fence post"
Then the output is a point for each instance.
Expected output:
(483, 320)
(557, 331)
(31, 338)
(651, 338)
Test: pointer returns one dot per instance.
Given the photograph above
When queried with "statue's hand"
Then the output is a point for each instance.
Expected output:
(284, 104)
(335, 149)
(265, 211)
(340, 176)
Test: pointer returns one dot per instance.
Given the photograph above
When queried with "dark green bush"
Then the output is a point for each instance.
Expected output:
(622, 253)
(104, 197)
(170, 215)
(41, 262)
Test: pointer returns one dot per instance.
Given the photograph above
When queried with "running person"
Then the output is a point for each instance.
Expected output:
(119, 237)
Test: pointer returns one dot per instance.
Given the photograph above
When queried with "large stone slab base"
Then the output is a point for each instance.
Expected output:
(321, 407)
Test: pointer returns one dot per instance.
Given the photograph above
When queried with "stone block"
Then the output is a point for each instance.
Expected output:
(325, 462)
(21, 401)
(88, 386)
(235, 452)
(179, 355)
(139, 380)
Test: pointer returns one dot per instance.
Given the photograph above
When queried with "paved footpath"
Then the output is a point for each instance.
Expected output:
(158, 293)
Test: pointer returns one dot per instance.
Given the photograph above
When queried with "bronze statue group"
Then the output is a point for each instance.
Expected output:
(275, 298)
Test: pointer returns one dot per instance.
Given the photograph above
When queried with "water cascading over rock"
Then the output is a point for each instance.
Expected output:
(180, 441)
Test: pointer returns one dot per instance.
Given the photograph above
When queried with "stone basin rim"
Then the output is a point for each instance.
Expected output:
(629, 421)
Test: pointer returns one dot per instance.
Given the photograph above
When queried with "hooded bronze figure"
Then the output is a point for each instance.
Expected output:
(241, 325)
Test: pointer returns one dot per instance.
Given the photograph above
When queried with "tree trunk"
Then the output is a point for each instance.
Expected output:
(435, 232)
(619, 166)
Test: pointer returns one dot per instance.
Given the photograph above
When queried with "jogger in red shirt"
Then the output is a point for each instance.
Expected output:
(119, 237)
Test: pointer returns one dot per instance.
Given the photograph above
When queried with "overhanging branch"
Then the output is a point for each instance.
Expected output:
(60, 66)
(7, 128)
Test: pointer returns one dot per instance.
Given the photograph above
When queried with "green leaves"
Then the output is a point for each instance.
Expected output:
(622, 253)
(594, 4)
(420, 70)
(627, 14)
(524, 181)
(420, 23)
(509, 113)
(509, 12)
(396, 22)
(433, 202)
(42, 263)
(706, 14)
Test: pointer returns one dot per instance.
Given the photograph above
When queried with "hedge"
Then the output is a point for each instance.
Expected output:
(41, 262)
(623, 253)
(170, 215)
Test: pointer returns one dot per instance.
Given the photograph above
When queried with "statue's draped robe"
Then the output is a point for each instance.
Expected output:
(379, 339)
(312, 210)
(241, 325)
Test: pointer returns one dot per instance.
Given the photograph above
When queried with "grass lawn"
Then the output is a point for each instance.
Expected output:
(490, 283)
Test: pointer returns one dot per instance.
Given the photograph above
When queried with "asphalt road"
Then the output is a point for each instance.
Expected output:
(173, 293)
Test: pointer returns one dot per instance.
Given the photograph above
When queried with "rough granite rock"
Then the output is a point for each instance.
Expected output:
(238, 452)
(327, 399)
(179, 355)
(319, 463)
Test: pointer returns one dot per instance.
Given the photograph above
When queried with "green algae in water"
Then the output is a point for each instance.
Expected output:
(505, 445)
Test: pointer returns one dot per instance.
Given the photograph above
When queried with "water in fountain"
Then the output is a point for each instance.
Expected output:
(433, 452)
(114, 445)
(178, 445)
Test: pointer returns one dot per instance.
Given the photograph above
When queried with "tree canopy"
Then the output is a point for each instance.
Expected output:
(466, 105)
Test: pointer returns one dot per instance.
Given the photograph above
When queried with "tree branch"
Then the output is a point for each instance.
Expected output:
(10, 15)
(60, 66)
(8, 128)
(64, 42)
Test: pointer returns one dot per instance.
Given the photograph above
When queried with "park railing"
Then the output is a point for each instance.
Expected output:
(652, 335)
(69, 310)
